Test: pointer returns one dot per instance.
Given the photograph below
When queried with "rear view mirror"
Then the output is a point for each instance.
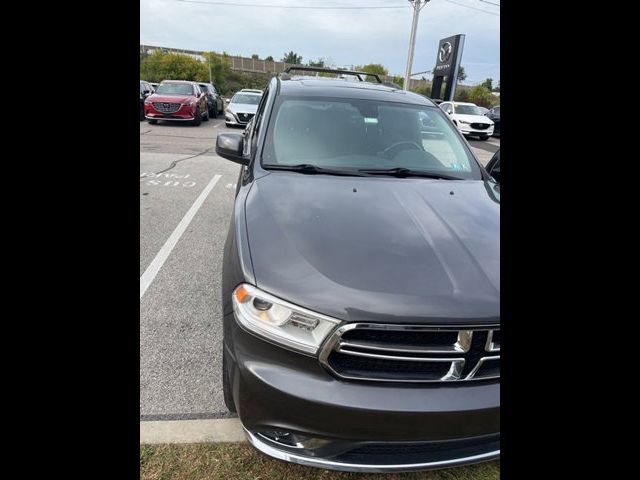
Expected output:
(230, 146)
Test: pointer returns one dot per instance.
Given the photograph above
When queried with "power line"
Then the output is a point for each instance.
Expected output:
(473, 8)
(490, 3)
(307, 7)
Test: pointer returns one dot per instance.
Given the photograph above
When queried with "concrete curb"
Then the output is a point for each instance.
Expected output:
(192, 431)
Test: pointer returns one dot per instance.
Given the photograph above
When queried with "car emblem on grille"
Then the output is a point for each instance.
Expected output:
(165, 105)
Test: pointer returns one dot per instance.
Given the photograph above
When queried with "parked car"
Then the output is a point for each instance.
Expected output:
(483, 110)
(468, 118)
(214, 99)
(242, 107)
(361, 282)
(154, 85)
(145, 90)
(494, 115)
(177, 100)
(493, 167)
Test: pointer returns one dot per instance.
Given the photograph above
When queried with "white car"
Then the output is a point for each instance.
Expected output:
(469, 119)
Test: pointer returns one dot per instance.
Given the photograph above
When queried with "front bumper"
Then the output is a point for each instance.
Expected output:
(467, 130)
(355, 426)
(185, 113)
(233, 119)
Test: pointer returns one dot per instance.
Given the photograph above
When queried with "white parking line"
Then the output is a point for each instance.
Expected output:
(192, 431)
(155, 266)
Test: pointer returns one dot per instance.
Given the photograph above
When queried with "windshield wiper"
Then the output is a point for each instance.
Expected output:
(313, 169)
(406, 172)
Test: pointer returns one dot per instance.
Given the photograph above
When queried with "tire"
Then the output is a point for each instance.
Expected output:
(152, 122)
(206, 117)
(141, 112)
(483, 137)
(197, 119)
(213, 113)
(228, 125)
(226, 384)
(221, 111)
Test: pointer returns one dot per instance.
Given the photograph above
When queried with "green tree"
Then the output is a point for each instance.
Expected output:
(220, 69)
(462, 95)
(269, 59)
(255, 56)
(292, 57)
(318, 63)
(497, 89)
(372, 68)
(398, 80)
(488, 83)
(174, 66)
(482, 96)
(462, 75)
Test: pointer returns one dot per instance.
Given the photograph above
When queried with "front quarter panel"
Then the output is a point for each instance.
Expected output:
(236, 264)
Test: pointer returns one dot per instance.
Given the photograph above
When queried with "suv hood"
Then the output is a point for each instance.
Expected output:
(242, 108)
(378, 249)
(474, 118)
(156, 97)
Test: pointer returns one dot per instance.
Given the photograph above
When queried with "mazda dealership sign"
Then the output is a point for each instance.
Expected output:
(447, 66)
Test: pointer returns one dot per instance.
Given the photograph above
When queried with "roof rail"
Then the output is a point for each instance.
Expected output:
(303, 68)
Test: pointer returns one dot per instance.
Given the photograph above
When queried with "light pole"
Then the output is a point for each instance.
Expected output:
(417, 6)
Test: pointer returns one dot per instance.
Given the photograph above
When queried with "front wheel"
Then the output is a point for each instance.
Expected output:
(152, 122)
(197, 119)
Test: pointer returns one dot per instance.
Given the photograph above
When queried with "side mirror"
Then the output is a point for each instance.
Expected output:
(230, 146)
(493, 167)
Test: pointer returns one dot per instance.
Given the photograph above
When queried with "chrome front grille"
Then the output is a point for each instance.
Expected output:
(480, 126)
(165, 107)
(411, 353)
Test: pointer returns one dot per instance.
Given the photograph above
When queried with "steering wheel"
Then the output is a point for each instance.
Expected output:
(397, 144)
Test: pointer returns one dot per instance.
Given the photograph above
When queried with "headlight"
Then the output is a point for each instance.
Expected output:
(188, 103)
(280, 321)
(464, 123)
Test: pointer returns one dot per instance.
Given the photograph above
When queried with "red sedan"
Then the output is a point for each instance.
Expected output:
(177, 100)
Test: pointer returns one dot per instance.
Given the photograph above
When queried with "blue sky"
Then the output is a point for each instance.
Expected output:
(345, 37)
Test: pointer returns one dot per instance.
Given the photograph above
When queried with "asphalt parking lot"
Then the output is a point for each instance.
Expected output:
(186, 199)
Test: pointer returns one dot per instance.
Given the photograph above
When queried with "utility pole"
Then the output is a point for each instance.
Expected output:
(209, 59)
(417, 6)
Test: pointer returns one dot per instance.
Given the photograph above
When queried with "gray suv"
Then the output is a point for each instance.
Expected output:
(361, 281)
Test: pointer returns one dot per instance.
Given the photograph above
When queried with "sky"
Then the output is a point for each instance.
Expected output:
(345, 37)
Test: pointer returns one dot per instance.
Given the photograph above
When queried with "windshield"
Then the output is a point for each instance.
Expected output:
(175, 89)
(245, 98)
(468, 110)
(352, 134)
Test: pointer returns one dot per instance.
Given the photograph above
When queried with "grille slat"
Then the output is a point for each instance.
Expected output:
(244, 117)
(165, 107)
(396, 353)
